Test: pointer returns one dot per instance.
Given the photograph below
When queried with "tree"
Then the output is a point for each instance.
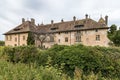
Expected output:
(2, 43)
(116, 38)
(40, 37)
(30, 39)
(112, 31)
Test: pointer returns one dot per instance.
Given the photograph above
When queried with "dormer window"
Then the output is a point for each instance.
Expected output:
(55, 28)
(16, 29)
(78, 26)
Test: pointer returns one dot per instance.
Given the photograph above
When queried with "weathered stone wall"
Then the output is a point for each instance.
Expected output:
(19, 39)
(88, 38)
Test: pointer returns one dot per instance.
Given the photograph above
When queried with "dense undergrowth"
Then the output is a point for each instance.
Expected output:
(76, 62)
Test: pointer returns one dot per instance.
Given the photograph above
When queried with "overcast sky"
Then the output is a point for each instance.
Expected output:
(11, 11)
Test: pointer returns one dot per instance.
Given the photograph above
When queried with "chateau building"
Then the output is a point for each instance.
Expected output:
(85, 31)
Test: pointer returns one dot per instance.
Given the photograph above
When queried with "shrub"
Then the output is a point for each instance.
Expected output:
(25, 54)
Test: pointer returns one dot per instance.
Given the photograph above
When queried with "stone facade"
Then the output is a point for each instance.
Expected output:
(16, 39)
(87, 38)
(85, 31)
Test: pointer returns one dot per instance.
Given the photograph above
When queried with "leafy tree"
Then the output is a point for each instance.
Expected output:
(116, 38)
(2, 43)
(112, 31)
(30, 39)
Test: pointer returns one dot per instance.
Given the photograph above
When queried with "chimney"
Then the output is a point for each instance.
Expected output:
(106, 20)
(52, 21)
(32, 21)
(23, 20)
(86, 16)
(74, 18)
(62, 20)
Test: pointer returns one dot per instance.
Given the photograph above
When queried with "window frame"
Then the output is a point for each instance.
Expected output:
(66, 39)
(97, 37)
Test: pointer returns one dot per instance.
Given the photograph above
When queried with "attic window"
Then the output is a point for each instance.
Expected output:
(16, 29)
(55, 28)
(79, 26)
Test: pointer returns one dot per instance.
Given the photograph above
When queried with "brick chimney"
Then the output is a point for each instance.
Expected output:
(32, 21)
(23, 20)
(106, 20)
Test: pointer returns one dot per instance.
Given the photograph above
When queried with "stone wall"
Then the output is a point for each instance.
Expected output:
(88, 38)
(16, 39)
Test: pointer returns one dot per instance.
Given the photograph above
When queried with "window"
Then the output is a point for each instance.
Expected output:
(55, 28)
(51, 39)
(97, 37)
(79, 26)
(78, 32)
(66, 32)
(15, 39)
(86, 32)
(15, 44)
(96, 30)
(7, 38)
(59, 40)
(78, 38)
(23, 44)
(10, 37)
(66, 39)
(23, 37)
(59, 33)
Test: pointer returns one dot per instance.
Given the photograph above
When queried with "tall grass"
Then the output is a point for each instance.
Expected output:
(19, 71)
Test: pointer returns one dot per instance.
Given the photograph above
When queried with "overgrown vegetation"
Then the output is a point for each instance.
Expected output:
(76, 62)
(2, 43)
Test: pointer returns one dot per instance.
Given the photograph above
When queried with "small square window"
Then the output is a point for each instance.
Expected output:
(66, 39)
(96, 30)
(15, 44)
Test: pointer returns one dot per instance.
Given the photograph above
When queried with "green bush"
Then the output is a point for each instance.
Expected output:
(24, 54)
(103, 60)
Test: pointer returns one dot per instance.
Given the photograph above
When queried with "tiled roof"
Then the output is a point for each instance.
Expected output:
(83, 24)
(24, 27)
